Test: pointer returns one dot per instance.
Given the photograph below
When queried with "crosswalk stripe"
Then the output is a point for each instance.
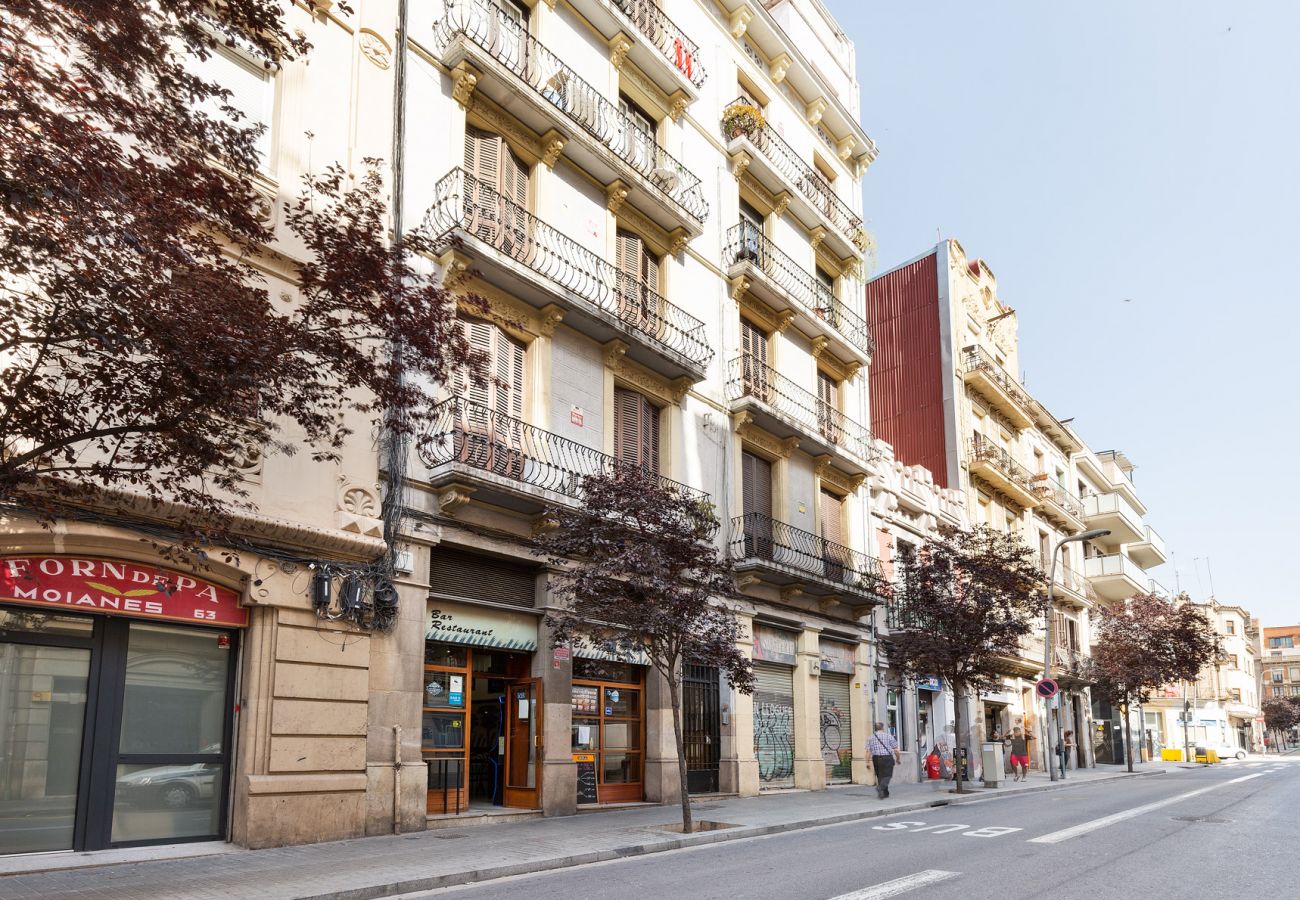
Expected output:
(899, 885)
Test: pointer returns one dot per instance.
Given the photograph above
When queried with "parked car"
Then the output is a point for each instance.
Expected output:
(1227, 751)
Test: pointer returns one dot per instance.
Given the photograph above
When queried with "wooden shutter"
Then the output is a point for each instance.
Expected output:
(636, 429)
(753, 342)
(479, 334)
(502, 391)
(828, 404)
(832, 511)
(757, 476)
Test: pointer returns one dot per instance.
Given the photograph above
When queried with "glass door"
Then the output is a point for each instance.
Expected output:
(523, 743)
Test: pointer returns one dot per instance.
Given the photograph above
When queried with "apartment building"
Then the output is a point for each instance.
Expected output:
(661, 209)
(945, 395)
(1280, 662)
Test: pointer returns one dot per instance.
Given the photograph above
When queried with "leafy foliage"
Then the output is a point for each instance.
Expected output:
(636, 571)
(961, 605)
(1281, 714)
(141, 347)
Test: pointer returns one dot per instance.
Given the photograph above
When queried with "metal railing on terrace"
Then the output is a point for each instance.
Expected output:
(464, 202)
(478, 437)
(747, 243)
(747, 377)
(759, 537)
(1050, 491)
(987, 451)
(975, 358)
(807, 180)
(509, 43)
(671, 42)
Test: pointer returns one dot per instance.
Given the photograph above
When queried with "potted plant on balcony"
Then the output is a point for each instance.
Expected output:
(741, 118)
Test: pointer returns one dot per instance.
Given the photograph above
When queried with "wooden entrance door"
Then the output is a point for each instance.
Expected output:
(524, 744)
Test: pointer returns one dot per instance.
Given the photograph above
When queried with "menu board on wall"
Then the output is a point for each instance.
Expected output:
(586, 700)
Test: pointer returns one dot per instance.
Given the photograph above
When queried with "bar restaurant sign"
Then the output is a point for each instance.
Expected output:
(460, 623)
(117, 587)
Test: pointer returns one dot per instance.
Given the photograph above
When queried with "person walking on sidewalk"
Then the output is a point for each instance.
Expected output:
(884, 753)
(1019, 742)
(1066, 750)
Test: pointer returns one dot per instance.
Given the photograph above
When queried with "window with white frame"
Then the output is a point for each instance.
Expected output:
(251, 84)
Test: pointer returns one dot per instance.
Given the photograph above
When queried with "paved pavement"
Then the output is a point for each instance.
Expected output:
(380, 866)
(1214, 833)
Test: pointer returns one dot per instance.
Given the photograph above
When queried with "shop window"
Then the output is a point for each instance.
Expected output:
(608, 722)
(894, 718)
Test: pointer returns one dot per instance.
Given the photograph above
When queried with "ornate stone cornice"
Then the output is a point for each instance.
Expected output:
(740, 161)
(619, 45)
(615, 195)
(814, 111)
(523, 140)
(836, 367)
(739, 21)
(824, 468)
(743, 423)
(778, 66)
(464, 79)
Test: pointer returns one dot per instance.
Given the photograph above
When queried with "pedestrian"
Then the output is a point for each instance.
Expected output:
(1063, 748)
(884, 753)
(1019, 742)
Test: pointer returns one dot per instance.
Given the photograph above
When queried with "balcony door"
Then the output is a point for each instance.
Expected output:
(751, 234)
(756, 475)
(489, 431)
(636, 430)
(496, 193)
(637, 136)
(828, 406)
(753, 360)
(832, 523)
(637, 289)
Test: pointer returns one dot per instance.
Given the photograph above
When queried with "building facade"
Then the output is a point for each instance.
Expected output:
(1280, 662)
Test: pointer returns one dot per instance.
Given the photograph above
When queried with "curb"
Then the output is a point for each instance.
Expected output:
(452, 879)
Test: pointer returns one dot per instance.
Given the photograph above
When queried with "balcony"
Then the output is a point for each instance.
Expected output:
(546, 95)
(654, 43)
(1002, 392)
(1115, 577)
(1114, 512)
(783, 284)
(813, 201)
(995, 467)
(539, 264)
(1058, 504)
(1070, 586)
(1149, 551)
(509, 463)
(782, 407)
(1071, 667)
(789, 556)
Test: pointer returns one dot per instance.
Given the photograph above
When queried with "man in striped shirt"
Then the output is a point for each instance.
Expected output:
(884, 753)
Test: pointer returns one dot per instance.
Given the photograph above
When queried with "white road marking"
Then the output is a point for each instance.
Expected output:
(899, 885)
(1074, 831)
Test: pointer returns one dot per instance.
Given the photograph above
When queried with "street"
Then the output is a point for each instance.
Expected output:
(1210, 832)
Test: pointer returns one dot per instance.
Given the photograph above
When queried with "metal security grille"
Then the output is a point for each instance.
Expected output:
(836, 733)
(774, 724)
(455, 573)
(701, 732)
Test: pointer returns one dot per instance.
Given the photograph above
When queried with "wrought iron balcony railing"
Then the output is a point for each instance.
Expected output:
(682, 52)
(758, 537)
(1051, 492)
(478, 437)
(804, 177)
(987, 451)
(464, 202)
(747, 243)
(977, 358)
(747, 377)
(538, 69)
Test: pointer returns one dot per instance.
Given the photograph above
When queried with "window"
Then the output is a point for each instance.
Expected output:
(1285, 641)
(496, 192)
(756, 474)
(1277, 692)
(1235, 693)
(1234, 661)
(1231, 626)
(638, 135)
(636, 429)
(502, 392)
(252, 91)
(1295, 674)
(893, 720)
(753, 359)
(1277, 675)
(828, 405)
(638, 283)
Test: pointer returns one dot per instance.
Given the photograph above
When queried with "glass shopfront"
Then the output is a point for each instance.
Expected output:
(608, 727)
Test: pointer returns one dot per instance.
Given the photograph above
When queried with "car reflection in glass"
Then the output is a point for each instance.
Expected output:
(173, 786)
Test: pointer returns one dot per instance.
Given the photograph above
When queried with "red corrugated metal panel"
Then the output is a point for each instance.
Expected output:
(907, 369)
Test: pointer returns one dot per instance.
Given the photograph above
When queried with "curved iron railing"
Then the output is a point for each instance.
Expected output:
(682, 52)
(747, 243)
(747, 377)
(760, 537)
(478, 437)
(987, 451)
(464, 202)
(807, 180)
(976, 358)
(509, 43)
(1051, 492)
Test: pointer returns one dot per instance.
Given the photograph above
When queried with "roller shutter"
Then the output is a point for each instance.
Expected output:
(836, 734)
(774, 724)
(456, 574)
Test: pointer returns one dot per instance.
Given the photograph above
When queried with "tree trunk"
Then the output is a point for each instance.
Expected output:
(674, 694)
(1128, 737)
(957, 762)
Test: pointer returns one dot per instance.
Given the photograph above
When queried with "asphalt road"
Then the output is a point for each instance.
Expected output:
(1224, 832)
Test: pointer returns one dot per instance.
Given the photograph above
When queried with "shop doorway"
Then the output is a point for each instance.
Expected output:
(701, 727)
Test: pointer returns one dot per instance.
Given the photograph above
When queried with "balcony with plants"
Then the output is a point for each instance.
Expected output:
(791, 557)
(1057, 503)
(641, 32)
(998, 389)
(540, 264)
(996, 468)
(755, 147)
(491, 53)
(780, 282)
(785, 409)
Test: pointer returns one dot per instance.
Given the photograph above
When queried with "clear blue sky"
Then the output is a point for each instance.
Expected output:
(1141, 149)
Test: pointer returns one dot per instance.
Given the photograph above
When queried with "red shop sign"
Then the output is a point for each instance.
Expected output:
(117, 587)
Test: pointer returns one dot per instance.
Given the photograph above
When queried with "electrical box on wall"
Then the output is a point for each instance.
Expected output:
(814, 667)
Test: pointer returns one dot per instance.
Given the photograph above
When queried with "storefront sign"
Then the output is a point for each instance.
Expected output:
(461, 623)
(455, 690)
(774, 645)
(117, 587)
(837, 657)
(929, 684)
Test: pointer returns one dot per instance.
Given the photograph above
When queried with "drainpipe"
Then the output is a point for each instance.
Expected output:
(397, 779)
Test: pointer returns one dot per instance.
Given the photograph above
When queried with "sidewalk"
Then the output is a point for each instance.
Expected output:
(380, 866)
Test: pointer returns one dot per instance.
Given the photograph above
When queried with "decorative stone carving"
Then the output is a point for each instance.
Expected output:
(783, 320)
(825, 604)
(375, 48)
(739, 21)
(454, 265)
(814, 111)
(681, 387)
(680, 237)
(615, 350)
(453, 498)
(359, 508)
(816, 236)
(790, 593)
(739, 285)
(851, 369)
(615, 195)
(552, 315)
(464, 80)
(862, 239)
(779, 66)
(677, 106)
(619, 45)
(552, 145)
(550, 4)
(747, 580)
(788, 446)
(846, 146)
(545, 522)
(245, 456)
(782, 203)
(819, 345)
(740, 161)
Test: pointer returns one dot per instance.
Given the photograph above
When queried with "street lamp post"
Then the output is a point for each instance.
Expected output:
(1047, 649)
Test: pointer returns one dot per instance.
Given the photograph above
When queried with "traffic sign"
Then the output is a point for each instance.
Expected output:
(1046, 688)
